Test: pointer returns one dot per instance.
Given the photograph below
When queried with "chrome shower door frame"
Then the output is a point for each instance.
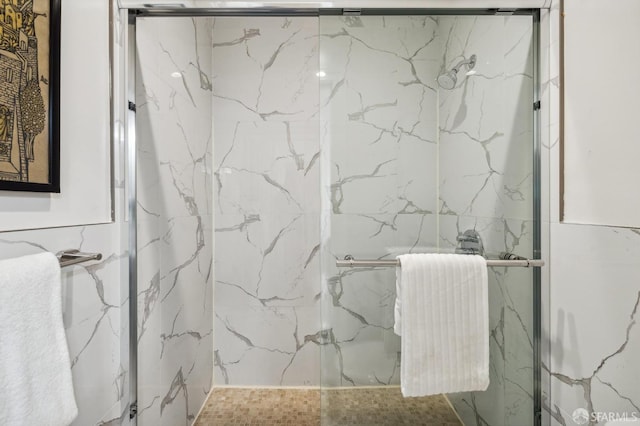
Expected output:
(128, 55)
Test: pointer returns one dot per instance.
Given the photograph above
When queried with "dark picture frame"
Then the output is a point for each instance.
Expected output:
(30, 96)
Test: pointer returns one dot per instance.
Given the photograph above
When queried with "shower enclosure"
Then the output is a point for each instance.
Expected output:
(269, 147)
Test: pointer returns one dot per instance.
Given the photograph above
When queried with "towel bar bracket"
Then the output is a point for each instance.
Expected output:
(73, 257)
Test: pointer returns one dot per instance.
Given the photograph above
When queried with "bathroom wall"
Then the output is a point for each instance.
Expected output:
(594, 293)
(92, 309)
(593, 322)
(175, 230)
(85, 184)
(94, 294)
(266, 148)
(595, 337)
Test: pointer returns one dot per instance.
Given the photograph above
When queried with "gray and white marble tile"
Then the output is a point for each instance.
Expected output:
(379, 115)
(267, 209)
(486, 121)
(265, 68)
(266, 167)
(282, 338)
(175, 223)
(595, 339)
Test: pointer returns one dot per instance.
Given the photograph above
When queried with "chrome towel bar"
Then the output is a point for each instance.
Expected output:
(350, 262)
(72, 257)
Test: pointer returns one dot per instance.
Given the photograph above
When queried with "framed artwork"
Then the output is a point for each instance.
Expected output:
(30, 95)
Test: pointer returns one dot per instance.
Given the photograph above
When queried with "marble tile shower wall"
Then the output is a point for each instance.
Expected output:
(266, 153)
(175, 232)
(385, 186)
(379, 190)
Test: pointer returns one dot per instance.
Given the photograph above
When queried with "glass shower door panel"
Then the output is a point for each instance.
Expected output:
(407, 166)
(486, 184)
(379, 162)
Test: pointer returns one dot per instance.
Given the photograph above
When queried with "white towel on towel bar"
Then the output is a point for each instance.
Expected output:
(35, 371)
(443, 314)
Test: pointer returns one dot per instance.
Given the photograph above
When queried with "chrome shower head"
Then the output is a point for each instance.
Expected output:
(449, 79)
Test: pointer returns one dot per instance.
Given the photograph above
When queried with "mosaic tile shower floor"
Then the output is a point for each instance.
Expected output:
(340, 407)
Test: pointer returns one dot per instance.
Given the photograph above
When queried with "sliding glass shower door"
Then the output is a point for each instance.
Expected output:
(411, 161)
(269, 147)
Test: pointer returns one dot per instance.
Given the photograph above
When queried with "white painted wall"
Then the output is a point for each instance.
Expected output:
(602, 89)
(85, 176)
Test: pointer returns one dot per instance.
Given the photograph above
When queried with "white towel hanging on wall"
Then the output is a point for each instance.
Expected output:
(35, 372)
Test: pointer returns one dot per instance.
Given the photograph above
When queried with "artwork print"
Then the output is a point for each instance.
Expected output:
(29, 92)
